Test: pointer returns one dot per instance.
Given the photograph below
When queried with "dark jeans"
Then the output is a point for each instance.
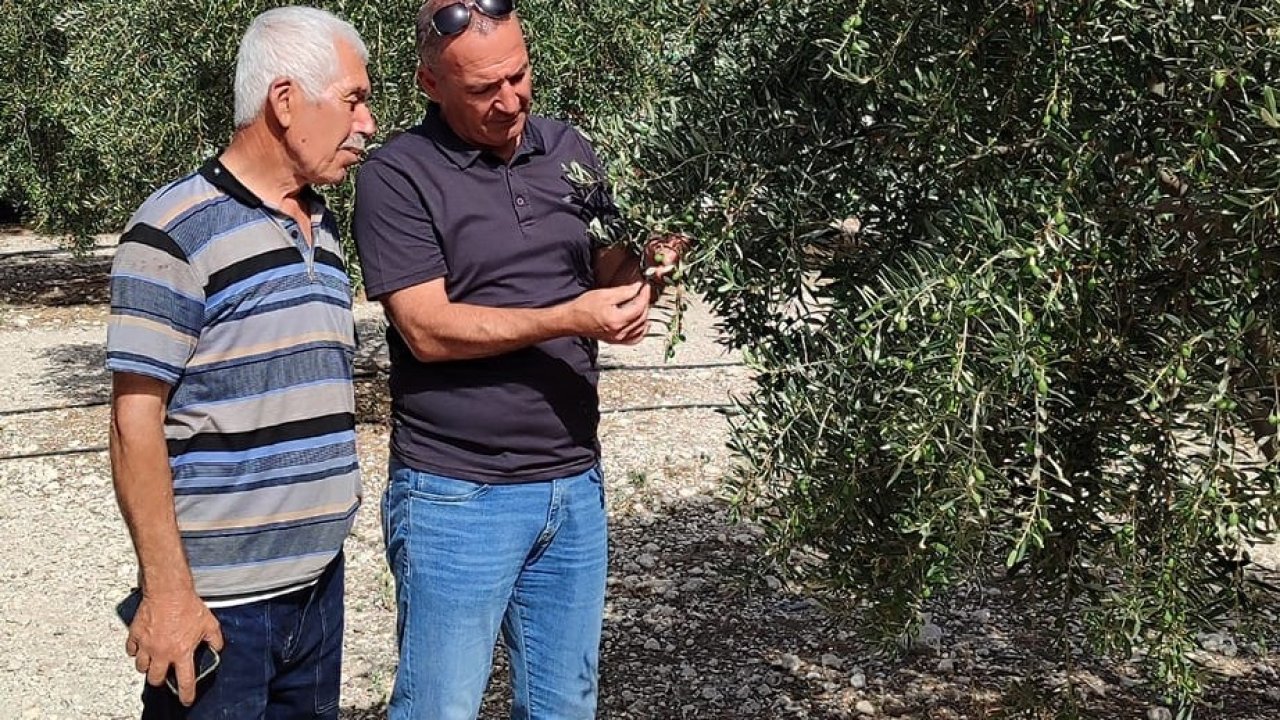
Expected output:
(281, 660)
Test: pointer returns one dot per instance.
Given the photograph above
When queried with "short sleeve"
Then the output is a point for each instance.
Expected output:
(157, 306)
(395, 238)
(598, 205)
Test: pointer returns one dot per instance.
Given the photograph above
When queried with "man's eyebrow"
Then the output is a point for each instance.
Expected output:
(478, 86)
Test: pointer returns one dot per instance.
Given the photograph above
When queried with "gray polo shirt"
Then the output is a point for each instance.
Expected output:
(428, 205)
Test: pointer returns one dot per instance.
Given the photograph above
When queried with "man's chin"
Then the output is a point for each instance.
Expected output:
(332, 177)
(510, 130)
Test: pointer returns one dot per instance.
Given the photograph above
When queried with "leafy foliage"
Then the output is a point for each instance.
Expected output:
(103, 102)
(1008, 275)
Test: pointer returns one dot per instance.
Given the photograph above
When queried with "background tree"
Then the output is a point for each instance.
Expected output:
(101, 101)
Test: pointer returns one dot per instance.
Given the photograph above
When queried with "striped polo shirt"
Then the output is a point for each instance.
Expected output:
(219, 295)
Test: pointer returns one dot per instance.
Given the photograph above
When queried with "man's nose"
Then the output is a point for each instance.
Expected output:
(508, 99)
(364, 122)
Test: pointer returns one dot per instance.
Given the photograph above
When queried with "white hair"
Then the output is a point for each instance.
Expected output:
(298, 43)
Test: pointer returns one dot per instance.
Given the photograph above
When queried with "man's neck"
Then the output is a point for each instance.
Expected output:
(260, 164)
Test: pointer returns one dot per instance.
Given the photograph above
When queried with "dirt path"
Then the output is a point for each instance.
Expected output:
(696, 626)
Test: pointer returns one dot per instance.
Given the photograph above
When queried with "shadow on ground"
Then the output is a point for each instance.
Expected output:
(53, 280)
(77, 373)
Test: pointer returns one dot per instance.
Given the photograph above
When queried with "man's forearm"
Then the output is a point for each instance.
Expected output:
(144, 490)
(459, 331)
(436, 329)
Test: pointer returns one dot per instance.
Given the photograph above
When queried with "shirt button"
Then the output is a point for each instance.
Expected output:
(520, 200)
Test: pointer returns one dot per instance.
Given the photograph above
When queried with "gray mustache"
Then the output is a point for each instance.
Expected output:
(356, 142)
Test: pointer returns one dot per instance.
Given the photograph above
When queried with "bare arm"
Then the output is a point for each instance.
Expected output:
(171, 620)
(437, 329)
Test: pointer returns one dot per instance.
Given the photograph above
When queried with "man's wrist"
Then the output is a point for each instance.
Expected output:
(565, 320)
(166, 582)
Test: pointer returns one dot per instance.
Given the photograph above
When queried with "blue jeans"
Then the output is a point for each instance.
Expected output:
(470, 559)
(281, 660)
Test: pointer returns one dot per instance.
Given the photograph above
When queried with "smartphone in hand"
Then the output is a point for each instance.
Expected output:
(206, 658)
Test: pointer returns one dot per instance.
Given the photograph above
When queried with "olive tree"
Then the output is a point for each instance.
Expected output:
(1008, 277)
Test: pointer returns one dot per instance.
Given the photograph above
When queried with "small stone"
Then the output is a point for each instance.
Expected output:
(773, 582)
(652, 645)
(858, 680)
(1273, 694)
(927, 637)
(946, 665)
(832, 661)
(864, 707)
(647, 561)
(788, 662)
(1159, 712)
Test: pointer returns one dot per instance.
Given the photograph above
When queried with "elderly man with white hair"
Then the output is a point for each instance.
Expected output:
(230, 344)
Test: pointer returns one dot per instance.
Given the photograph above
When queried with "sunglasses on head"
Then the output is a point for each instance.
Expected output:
(454, 18)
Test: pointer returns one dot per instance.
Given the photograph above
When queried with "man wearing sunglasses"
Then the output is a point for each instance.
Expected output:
(494, 515)
(233, 415)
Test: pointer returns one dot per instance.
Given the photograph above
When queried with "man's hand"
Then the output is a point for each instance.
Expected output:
(662, 255)
(165, 632)
(618, 315)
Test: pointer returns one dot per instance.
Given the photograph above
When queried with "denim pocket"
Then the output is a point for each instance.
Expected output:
(437, 488)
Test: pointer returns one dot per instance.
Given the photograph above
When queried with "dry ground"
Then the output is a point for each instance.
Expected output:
(697, 626)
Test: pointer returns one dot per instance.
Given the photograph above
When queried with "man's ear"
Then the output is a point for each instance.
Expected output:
(427, 81)
(282, 99)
